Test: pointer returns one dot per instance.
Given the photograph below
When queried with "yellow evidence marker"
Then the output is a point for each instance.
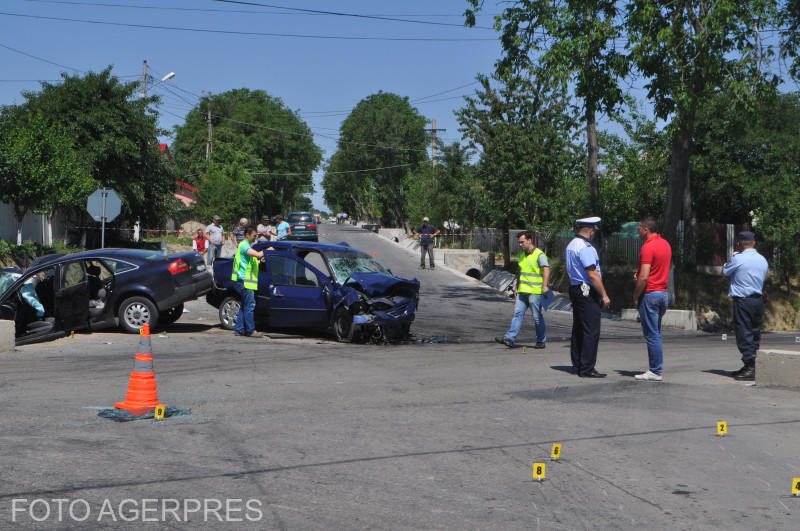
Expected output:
(159, 414)
(722, 428)
(524, 349)
(796, 487)
(556, 453)
(538, 471)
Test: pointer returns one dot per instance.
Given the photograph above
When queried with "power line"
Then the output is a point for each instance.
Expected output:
(353, 15)
(247, 11)
(40, 58)
(251, 33)
(332, 172)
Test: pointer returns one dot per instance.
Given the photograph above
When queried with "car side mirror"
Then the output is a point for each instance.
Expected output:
(390, 272)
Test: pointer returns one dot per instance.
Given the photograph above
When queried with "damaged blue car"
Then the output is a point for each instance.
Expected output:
(317, 286)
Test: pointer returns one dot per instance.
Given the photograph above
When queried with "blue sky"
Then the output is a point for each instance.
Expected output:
(322, 78)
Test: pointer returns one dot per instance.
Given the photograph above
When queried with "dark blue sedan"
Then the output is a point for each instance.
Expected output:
(61, 293)
(325, 287)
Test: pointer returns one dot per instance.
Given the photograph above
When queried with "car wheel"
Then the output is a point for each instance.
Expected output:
(343, 325)
(172, 315)
(135, 312)
(228, 310)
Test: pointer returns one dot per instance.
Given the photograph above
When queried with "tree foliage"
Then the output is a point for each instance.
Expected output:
(114, 138)
(252, 132)
(381, 144)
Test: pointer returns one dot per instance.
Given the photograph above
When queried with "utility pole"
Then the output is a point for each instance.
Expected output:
(433, 131)
(144, 79)
(210, 132)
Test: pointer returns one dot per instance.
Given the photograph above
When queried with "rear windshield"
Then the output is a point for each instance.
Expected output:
(300, 218)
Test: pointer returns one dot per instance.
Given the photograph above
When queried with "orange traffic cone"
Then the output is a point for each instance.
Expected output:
(142, 395)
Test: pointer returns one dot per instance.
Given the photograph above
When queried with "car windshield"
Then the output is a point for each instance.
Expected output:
(300, 218)
(343, 264)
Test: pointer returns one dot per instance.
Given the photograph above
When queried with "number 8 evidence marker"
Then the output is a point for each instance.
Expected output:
(159, 413)
(556, 453)
(722, 428)
(538, 472)
(796, 487)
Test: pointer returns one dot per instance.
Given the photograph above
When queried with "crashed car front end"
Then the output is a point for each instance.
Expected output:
(383, 306)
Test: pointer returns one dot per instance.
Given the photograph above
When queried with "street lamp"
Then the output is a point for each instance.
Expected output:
(146, 76)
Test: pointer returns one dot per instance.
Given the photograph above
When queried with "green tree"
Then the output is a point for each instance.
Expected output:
(38, 168)
(114, 138)
(523, 133)
(381, 143)
(279, 147)
(690, 50)
(226, 189)
(574, 42)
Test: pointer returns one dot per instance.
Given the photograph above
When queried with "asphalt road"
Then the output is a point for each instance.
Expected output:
(298, 432)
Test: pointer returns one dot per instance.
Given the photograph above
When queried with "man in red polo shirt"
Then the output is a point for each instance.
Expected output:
(650, 296)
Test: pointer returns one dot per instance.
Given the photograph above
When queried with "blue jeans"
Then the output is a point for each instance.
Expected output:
(521, 305)
(651, 309)
(213, 252)
(245, 319)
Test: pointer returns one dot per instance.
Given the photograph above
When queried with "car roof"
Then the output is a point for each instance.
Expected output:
(129, 254)
(322, 247)
(300, 212)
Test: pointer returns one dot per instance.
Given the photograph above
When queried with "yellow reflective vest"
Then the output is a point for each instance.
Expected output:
(250, 277)
(530, 274)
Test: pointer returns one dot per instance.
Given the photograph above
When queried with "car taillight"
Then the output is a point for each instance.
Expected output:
(178, 266)
(311, 226)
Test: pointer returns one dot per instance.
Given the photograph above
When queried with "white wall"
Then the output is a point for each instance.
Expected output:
(32, 226)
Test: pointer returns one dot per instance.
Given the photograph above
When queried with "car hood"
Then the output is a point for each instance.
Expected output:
(373, 284)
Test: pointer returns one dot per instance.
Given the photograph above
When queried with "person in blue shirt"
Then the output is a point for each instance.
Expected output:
(282, 228)
(588, 297)
(748, 270)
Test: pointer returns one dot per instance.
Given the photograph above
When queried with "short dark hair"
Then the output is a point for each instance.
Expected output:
(250, 229)
(527, 234)
(650, 223)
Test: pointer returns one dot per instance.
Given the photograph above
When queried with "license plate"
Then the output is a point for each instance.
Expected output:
(201, 267)
(299, 226)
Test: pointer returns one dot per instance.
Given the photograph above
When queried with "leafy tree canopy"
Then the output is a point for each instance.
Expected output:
(278, 148)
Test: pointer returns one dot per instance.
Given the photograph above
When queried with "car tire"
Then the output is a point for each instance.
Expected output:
(172, 315)
(343, 325)
(135, 312)
(228, 310)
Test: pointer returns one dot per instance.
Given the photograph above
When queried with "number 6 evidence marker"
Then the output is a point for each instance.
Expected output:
(796, 487)
(538, 471)
(556, 453)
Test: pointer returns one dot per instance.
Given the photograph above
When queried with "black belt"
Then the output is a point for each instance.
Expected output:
(751, 296)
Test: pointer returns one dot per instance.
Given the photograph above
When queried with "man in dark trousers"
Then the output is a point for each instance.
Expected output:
(748, 270)
(588, 297)
(426, 233)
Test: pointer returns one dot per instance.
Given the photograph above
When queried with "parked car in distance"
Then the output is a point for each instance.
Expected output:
(324, 287)
(61, 293)
(304, 226)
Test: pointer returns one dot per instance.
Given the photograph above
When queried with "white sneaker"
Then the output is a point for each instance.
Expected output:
(649, 376)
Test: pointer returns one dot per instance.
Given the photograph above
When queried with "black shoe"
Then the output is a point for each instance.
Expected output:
(504, 341)
(592, 374)
(734, 374)
(539, 344)
(747, 374)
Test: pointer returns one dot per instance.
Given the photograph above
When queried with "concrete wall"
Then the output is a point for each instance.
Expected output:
(6, 336)
(778, 368)
(682, 319)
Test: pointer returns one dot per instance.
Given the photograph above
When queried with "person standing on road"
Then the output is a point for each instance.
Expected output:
(216, 238)
(264, 229)
(426, 233)
(650, 294)
(245, 282)
(238, 231)
(588, 297)
(199, 242)
(748, 270)
(531, 289)
(282, 228)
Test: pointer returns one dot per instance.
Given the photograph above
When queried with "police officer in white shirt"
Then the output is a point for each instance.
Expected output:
(588, 297)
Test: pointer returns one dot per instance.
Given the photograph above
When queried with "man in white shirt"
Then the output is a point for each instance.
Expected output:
(216, 239)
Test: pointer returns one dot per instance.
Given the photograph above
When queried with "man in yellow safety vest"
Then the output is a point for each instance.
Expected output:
(245, 282)
(531, 289)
